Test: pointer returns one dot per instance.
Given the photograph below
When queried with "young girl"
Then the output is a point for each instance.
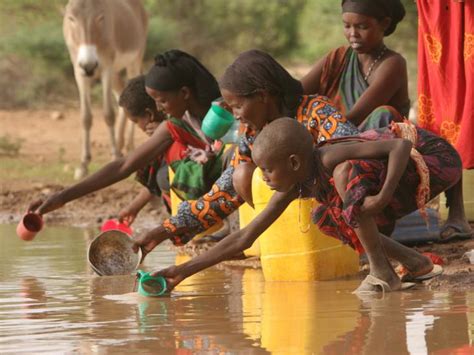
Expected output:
(141, 109)
(366, 80)
(363, 183)
(184, 89)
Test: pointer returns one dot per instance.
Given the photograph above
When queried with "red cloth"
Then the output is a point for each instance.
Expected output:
(182, 139)
(446, 75)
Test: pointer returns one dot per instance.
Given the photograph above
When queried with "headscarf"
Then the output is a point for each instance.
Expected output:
(378, 9)
(255, 70)
(174, 69)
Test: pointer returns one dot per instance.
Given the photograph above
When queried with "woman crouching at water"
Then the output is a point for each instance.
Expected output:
(363, 183)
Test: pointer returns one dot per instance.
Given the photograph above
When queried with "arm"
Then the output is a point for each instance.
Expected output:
(312, 79)
(231, 245)
(130, 212)
(111, 173)
(396, 150)
(197, 216)
(387, 80)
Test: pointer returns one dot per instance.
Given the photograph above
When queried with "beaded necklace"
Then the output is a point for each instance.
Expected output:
(381, 54)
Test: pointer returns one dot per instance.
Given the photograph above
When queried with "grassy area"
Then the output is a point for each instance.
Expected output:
(47, 172)
(42, 172)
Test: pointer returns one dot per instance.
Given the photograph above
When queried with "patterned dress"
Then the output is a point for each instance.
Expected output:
(315, 112)
(441, 165)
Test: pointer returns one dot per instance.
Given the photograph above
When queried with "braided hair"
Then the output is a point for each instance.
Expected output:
(174, 69)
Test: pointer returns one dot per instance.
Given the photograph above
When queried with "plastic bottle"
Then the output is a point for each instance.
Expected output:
(232, 134)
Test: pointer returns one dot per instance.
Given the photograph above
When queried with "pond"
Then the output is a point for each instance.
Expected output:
(50, 301)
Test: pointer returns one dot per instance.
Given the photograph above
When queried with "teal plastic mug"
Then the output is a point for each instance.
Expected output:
(150, 286)
(217, 122)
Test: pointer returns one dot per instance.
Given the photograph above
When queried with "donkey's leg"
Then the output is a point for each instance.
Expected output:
(109, 114)
(118, 86)
(84, 87)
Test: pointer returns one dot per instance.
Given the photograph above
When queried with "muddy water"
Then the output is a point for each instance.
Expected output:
(51, 302)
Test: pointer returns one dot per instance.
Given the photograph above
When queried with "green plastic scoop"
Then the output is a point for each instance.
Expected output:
(150, 286)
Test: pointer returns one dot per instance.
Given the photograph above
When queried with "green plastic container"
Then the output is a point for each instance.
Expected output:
(217, 122)
(150, 286)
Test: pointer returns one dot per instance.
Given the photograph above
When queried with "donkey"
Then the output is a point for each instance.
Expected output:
(103, 38)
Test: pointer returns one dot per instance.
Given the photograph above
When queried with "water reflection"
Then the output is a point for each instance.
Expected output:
(51, 302)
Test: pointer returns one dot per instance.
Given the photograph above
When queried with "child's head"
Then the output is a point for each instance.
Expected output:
(283, 151)
(257, 87)
(177, 80)
(139, 107)
(367, 22)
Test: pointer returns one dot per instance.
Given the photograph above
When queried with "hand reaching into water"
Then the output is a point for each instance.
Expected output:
(51, 203)
(172, 275)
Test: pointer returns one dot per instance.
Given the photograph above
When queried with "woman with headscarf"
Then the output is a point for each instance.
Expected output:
(368, 83)
(366, 80)
(258, 90)
(184, 89)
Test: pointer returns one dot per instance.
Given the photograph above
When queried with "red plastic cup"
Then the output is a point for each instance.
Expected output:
(29, 226)
(113, 224)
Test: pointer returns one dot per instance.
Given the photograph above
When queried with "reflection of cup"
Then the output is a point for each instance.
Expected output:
(29, 225)
(217, 122)
(34, 295)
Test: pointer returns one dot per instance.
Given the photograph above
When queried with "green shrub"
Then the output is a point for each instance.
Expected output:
(9, 147)
(216, 31)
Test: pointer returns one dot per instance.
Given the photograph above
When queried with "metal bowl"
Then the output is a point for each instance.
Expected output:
(110, 253)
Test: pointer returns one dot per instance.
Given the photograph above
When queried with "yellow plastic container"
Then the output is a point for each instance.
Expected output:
(246, 215)
(468, 194)
(294, 249)
(175, 201)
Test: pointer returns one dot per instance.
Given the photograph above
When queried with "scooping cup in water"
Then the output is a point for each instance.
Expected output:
(29, 225)
(150, 286)
(217, 122)
(111, 253)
